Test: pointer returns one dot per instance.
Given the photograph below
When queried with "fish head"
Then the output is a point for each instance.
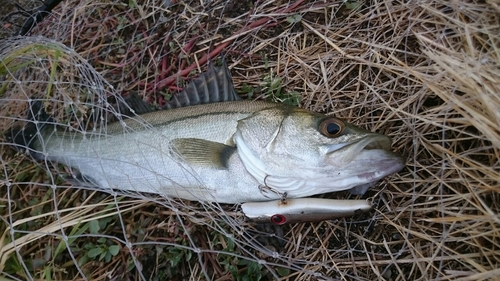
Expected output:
(300, 153)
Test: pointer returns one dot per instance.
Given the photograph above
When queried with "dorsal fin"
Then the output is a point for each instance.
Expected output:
(136, 104)
(129, 106)
(25, 138)
(214, 85)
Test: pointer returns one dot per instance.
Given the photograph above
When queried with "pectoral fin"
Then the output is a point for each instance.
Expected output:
(203, 152)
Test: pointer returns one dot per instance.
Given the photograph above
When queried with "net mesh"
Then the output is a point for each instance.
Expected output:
(424, 73)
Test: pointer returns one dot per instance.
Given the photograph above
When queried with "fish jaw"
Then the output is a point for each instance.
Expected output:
(360, 177)
(356, 166)
(373, 149)
(287, 155)
(342, 153)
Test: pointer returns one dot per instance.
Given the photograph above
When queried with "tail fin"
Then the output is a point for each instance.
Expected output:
(25, 138)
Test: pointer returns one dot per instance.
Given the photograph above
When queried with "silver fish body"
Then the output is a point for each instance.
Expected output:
(226, 152)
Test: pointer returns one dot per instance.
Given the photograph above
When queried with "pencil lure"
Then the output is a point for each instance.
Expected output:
(281, 212)
(211, 146)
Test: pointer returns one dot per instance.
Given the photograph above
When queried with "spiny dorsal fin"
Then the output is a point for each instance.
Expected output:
(136, 104)
(130, 106)
(203, 152)
(26, 138)
(214, 85)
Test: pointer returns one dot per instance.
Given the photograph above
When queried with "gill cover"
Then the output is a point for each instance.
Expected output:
(297, 153)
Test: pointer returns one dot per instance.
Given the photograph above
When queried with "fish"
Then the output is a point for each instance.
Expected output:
(209, 145)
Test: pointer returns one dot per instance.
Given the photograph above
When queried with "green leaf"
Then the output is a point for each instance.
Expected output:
(47, 273)
(108, 257)
(53, 72)
(252, 267)
(276, 83)
(114, 249)
(230, 245)
(75, 231)
(130, 265)
(283, 271)
(353, 5)
(188, 255)
(92, 253)
(94, 227)
(83, 260)
(103, 223)
(294, 19)
(175, 259)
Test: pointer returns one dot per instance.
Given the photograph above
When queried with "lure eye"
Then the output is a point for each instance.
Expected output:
(331, 127)
(278, 219)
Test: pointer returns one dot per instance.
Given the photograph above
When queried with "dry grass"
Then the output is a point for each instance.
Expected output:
(427, 74)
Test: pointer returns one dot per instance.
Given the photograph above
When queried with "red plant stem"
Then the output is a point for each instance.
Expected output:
(185, 71)
(164, 68)
(183, 64)
(189, 46)
(174, 88)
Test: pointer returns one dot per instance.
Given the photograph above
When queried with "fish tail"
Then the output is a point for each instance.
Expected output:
(26, 138)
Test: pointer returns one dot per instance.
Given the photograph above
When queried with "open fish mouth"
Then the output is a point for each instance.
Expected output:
(344, 153)
(376, 150)
(365, 161)
(378, 142)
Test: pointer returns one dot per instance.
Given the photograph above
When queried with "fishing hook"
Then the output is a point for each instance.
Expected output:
(265, 187)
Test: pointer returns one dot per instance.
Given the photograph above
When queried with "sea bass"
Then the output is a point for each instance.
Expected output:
(211, 146)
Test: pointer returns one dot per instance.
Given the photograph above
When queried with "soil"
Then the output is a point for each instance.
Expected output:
(14, 13)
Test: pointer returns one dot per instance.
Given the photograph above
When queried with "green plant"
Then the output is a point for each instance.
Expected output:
(240, 269)
(176, 254)
(273, 90)
(102, 250)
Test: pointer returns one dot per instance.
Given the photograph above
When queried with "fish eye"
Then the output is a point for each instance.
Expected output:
(331, 127)
(278, 219)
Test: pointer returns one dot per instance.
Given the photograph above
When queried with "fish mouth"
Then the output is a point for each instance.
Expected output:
(376, 142)
(343, 153)
(366, 160)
